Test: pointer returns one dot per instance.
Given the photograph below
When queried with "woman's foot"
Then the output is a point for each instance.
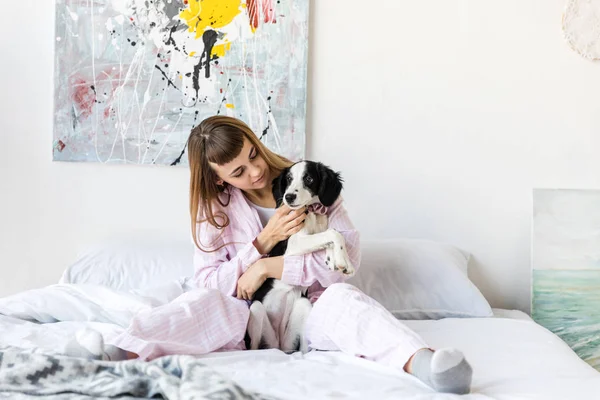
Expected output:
(445, 370)
(89, 344)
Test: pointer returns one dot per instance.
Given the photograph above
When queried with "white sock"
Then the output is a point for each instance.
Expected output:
(89, 344)
(445, 370)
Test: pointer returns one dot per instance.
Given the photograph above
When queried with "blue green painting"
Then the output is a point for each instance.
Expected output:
(566, 268)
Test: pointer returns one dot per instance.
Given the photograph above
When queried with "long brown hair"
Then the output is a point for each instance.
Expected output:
(218, 139)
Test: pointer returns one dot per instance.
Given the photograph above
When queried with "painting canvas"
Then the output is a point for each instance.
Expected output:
(566, 268)
(132, 77)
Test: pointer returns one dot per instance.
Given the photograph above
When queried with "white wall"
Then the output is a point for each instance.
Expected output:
(442, 116)
(50, 210)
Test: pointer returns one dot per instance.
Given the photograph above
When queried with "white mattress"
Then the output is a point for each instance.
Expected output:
(513, 358)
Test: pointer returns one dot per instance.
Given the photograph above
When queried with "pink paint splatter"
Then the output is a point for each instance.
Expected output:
(280, 98)
(235, 70)
(83, 95)
(254, 9)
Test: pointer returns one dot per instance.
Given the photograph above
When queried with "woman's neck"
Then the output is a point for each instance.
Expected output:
(262, 197)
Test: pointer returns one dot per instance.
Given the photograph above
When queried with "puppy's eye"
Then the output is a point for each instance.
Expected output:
(289, 179)
(308, 180)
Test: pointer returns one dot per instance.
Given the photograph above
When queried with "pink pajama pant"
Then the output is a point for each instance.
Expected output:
(205, 320)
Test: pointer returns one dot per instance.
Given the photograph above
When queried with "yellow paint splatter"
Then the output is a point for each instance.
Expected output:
(229, 105)
(192, 53)
(220, 49)
(215, 14)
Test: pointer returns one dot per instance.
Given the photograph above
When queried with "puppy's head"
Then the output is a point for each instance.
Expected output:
(307, 182)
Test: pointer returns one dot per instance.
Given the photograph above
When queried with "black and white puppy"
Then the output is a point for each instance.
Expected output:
(279, 311)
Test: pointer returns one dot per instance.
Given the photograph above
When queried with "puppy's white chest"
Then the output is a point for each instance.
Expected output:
(314, 223)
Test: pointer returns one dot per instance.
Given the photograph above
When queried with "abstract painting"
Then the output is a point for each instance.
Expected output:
(566, 268)
(132, 77)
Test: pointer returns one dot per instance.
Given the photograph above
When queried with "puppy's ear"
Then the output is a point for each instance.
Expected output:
(280, 185)
(330, 186)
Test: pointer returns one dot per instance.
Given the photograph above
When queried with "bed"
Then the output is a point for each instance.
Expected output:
(512, 356)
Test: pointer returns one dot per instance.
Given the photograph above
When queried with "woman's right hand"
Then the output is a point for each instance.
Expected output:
(283, 224)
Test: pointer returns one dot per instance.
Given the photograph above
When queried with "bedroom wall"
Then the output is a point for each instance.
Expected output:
(441, 115)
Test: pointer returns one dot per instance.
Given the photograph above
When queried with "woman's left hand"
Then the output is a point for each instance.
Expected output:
(251, 280)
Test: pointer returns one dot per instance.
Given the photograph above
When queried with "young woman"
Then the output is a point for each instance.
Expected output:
(235, 224)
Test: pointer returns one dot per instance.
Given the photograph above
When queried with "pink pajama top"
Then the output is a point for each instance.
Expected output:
(221, 269)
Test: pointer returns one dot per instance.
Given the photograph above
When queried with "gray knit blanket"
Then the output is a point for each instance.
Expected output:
(26, 375)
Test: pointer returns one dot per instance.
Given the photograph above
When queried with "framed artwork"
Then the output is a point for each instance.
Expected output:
(132, 77)
(566, 268)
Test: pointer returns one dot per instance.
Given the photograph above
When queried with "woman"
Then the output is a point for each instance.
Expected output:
(235, 224)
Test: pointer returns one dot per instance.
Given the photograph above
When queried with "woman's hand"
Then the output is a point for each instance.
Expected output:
(283, 224)
(256, 274)
(251, 280)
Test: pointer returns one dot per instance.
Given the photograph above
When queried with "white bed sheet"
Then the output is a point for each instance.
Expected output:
(513, 358)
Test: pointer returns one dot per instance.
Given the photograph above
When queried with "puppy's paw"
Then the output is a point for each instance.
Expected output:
(349, 271)
(342, 262)
(330, 259)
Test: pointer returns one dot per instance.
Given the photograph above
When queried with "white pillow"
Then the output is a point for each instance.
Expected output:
(132, 264)
(419, 279)
(414, 279)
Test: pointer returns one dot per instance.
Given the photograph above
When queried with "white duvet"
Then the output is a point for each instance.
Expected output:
(513, 358)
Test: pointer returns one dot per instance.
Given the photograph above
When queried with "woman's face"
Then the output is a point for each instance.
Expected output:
(248, 171)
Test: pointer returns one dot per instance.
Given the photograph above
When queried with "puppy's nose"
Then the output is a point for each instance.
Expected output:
(290, 197)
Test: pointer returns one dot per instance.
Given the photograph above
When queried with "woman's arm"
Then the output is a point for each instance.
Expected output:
(221, 270)
(218, 269)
